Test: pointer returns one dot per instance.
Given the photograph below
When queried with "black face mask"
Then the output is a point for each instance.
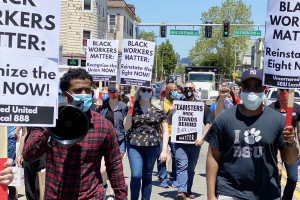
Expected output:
(188, 94)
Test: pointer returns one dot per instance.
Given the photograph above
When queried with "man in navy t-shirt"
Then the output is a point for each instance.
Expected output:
(243, 143)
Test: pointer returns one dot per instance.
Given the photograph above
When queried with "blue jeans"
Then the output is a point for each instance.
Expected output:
(142, 160)
(161, 167)
(122, 146)
(186, 161)
(292, 178)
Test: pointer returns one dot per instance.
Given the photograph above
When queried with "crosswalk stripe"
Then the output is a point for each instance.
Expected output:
(283, 182)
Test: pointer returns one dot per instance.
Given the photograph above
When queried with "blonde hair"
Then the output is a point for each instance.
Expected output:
(153, 101)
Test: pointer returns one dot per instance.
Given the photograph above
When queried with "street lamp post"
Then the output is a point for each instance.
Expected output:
(162, 65)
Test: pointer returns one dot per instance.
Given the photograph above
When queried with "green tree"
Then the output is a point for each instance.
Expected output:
(180, 69)
(149, 36)
(167, 58)
(218, 50)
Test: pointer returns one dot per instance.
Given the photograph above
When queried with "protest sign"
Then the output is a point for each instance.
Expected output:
(102, 59)
(282, 45)
(137, 63)
(29, 56)
(187, 121)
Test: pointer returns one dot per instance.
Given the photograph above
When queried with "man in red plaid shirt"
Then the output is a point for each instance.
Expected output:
(73, 171)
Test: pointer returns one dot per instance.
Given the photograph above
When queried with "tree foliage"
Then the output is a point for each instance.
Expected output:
(167, 57)
(180, 69)
(218, 50)
(149, 36)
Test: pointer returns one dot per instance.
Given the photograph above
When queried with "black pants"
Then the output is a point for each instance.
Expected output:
(31, 169)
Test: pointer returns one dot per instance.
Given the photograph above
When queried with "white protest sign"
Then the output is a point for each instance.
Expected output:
(282, 44)
(187, 121)
(29, 52)
(137, 63)
(102, 59)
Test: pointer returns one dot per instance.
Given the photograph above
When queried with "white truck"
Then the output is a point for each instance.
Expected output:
(204, 78)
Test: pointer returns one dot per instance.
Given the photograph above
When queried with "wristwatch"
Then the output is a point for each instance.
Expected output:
(291, 144)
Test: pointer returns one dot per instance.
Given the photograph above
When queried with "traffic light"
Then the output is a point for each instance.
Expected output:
(163, 31)
(208, 30)
(226, 26)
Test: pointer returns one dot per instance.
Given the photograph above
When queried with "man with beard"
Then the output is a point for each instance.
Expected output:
(187, 154)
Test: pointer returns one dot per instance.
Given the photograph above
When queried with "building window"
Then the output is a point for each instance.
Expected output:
(87, 5)
(112, 20)
(85, 36)
(124, 23)
(99, 8)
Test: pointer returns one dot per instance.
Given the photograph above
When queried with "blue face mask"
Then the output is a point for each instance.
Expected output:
(105, 97)
(176, 95)
(87, 101)
(122, 93)
(61, 99)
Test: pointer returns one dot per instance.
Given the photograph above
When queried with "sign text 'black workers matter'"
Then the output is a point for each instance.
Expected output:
(282, 44)
(187, 121)
(137, 63)
(29, 52)
(102, 59)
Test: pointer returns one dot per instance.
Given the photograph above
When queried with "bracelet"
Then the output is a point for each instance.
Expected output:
(279, 161)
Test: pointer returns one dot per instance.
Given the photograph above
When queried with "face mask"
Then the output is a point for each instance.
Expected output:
(61, 99)
(145, 95)
(122, 93)
(87, 101)
(175, 95)
(228, 103)
(252, 100)
(105, 97)
(188, 94)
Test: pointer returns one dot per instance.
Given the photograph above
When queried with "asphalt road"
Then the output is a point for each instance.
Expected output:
(158, 193)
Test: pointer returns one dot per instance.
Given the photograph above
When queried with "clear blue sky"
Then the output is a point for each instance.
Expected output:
(185, 11)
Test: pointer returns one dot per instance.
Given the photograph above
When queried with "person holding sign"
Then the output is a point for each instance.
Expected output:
(73, 171)
(187, 154)
(292, 170)
(243, 142)
(145, 130)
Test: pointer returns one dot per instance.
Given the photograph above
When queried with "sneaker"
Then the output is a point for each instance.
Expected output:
(163, 185)
(181, 196)
(190, 195)
(13, 193)
(175, 184)
(110, 198)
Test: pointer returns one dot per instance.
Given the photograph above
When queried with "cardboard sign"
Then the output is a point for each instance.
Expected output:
(29, 56)
(282, 45)
(137, 63)
(102, 59)
(187, 121)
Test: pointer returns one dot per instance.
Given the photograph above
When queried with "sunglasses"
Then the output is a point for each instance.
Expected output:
(113, 90)
(146, 89)
(283, 90)
(188, 88)
(79, 90)
(247, 88)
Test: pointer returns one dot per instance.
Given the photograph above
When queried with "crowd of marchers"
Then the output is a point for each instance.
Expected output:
(248, 144)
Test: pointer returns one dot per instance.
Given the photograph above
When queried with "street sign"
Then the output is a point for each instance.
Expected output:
(72, 62)
(235, 74)
(184, 32)
(247, 33)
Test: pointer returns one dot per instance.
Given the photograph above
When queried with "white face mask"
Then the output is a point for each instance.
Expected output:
(145, 95)
(252, 100)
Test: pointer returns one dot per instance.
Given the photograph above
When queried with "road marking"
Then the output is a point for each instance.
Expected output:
(283, 182)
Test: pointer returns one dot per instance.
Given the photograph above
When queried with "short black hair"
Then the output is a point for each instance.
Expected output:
(78, 73)
(96, 83)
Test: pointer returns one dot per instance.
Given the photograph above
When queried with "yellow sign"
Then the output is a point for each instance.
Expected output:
(233, 78)
(235, 74)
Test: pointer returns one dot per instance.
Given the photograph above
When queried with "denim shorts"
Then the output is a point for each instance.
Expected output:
(122, 146)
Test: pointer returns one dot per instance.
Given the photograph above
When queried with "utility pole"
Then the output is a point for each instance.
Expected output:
(156, 64)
